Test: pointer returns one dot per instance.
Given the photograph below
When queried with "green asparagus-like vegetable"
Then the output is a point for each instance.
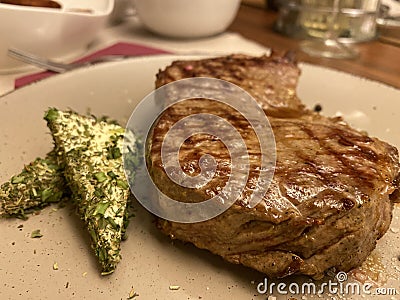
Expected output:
(91, 151)
(38, 185)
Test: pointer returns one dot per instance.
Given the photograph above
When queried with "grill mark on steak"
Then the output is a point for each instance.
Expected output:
(204, 145)
(333, 187)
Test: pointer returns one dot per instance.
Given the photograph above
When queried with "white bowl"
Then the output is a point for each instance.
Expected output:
(50, 32)
(187, 18)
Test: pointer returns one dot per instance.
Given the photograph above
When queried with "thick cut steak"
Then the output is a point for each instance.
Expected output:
(329, 200)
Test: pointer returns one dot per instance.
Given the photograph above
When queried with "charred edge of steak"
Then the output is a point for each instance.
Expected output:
(271, 80)
(395, 196)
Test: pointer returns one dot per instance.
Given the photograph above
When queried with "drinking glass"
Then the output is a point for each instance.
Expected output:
(328, 45)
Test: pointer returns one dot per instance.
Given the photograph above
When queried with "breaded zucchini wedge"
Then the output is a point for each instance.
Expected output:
(91, 151)
(38, 185)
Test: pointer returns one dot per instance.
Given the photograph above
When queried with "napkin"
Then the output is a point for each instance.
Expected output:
(224, 43)
(120, 48)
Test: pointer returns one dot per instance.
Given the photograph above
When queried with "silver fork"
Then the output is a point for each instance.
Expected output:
(54, 66)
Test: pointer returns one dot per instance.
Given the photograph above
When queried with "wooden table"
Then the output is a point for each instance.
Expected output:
(377, 60)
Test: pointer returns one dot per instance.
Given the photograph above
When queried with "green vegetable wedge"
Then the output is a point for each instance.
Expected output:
(91, 151)
(38, 185)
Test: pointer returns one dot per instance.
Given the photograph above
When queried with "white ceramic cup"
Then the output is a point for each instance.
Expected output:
(186, 18)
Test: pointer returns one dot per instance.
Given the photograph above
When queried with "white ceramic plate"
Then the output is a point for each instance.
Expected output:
(151, 262)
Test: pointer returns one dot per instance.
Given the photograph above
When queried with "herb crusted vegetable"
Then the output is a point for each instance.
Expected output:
(92, 153)
(87, 163)
(38, 185)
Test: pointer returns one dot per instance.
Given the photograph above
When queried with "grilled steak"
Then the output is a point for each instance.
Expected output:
(329, 200)
(274, 89)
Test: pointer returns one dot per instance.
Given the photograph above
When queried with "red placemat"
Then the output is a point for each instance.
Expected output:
(128, 49)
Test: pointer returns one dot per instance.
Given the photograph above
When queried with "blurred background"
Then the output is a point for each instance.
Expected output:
(359, 20)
